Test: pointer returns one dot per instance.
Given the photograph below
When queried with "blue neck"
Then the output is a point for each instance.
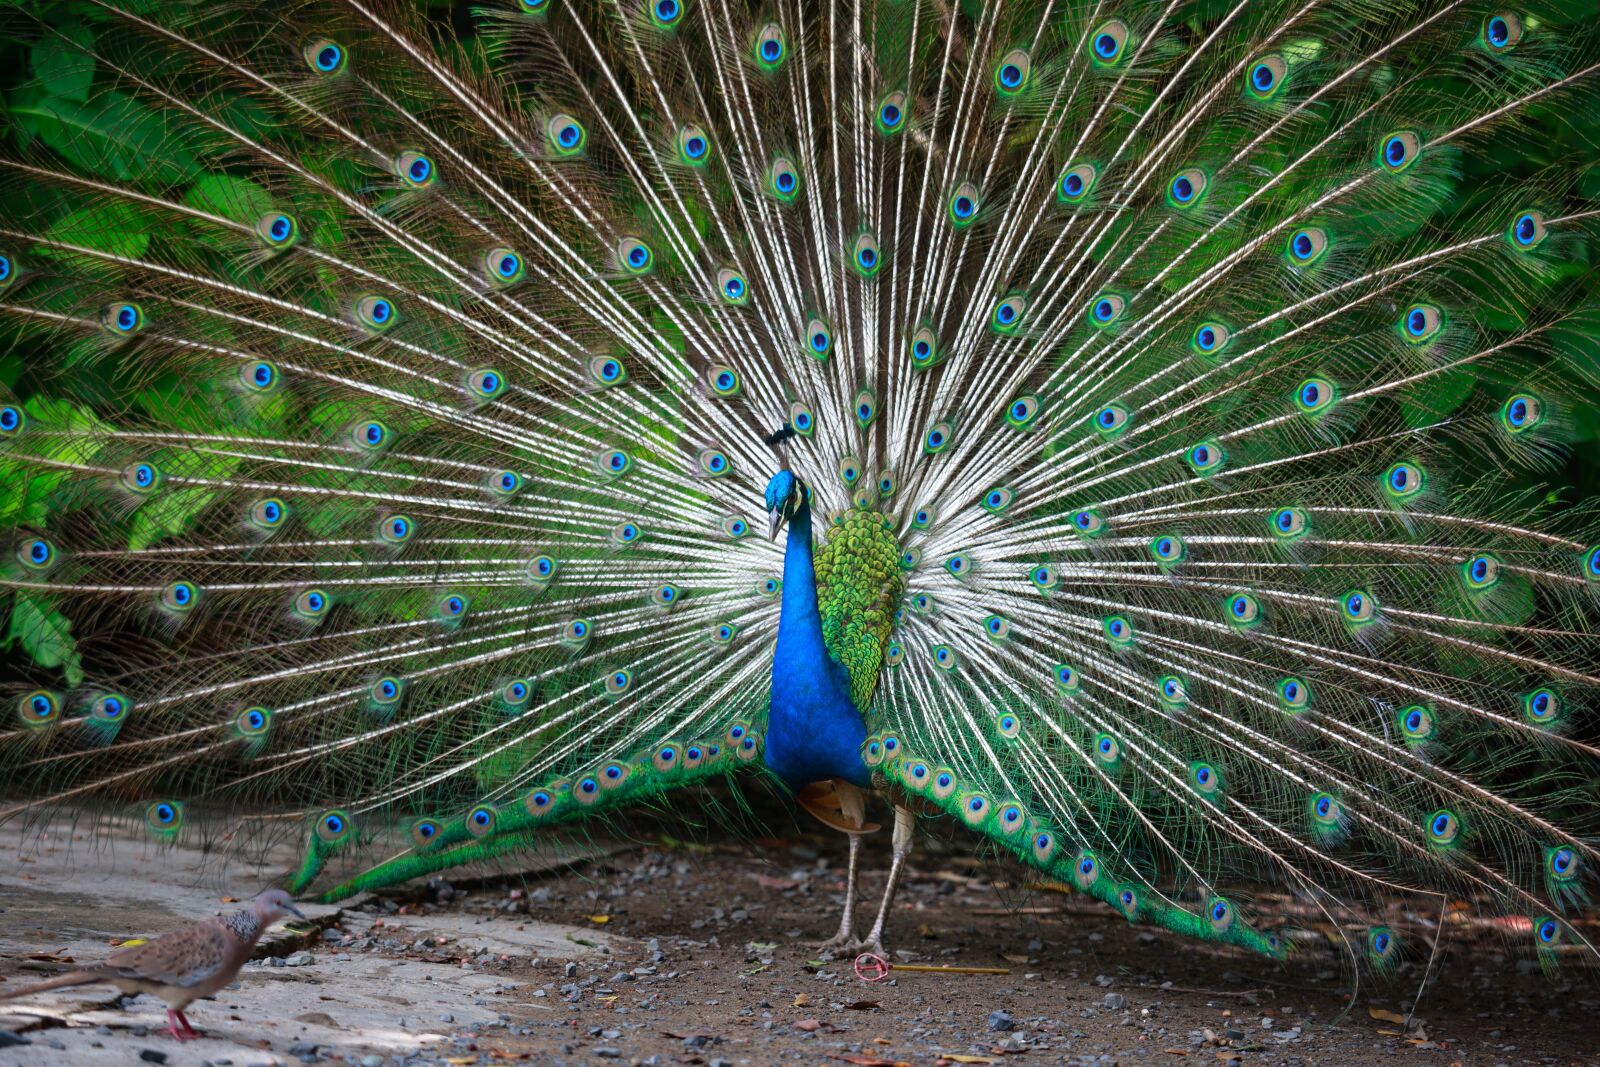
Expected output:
(814, 731)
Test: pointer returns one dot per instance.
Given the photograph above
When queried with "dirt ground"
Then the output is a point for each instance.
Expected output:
(668, 953)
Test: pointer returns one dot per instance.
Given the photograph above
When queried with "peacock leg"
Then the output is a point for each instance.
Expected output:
(841, 806)
(904, 825)
(846, 921)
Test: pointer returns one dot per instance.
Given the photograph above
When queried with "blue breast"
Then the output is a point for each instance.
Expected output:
(814, 731)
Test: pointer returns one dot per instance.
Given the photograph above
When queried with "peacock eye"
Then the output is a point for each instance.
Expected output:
(1542, 706)
(783, 179)
(892, 113)
(1022, 412)
(1077, 181)
(370, 435)
(617, 682)
(503, 266)
(723, 632)
(723, 381)
(938, 437)
(1294, 694)
(996, 500)
(277, 230)
(414, 169)
(849, 470)
(1118, 630)
(996, 628)
(1421, 323)
(1243, 610)
(1110, 420)
(1521, 412)
(254, 721)
(1210, 338)
(1088, 522)
(1044, 577)
(924, 349)
(666, 14)
(1266, 77)
(625, 533)
(1403, 482)
(607, 371)
(516, 693)
(1289, 523)
(666, 596)
(1416, 723)
(770, 47)
(1011, 73)
(694, 146)
(1527, 230)
(1007, 315)
(36, 553)
(1206, 458)
(1187, 188)
(944, 657)
(613, 462)
(1168, 550)
(865, 255)
(485, 383)
(1315, 396)
(1109, 43)
(122, 319)
(715, 462)
(258, 376)
(12, 418)
(732, 286)
(923, 518)
(386, 690)
(1306, 246)
(1480, 572)
(505, 483)
(141, 478)
(1443, 827)
(818, 338)
(865, 408)
(180, 596)
(576, 634)
(1398, 151)
(964, 203)
(634, 256)
(39, 707)
(735, 527)
(325, 57)
(376, 313)
(1106, 309)
(565, 134)
(1502, 31)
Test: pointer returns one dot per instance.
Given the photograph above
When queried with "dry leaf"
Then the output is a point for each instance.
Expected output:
(872, 1061)
(601, 919)
(768, 882)
(802, 999)
(1386, 1016)
(863, 1005)
(953, 1057)
(808, 1025)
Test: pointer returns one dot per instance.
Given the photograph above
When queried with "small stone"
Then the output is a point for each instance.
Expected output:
(606, 1052)
(447, 1018)
(372, 1059)
(299, 959)
(1114, 1001)
(8, 1039)
(150, 1055)
(1001, 1020)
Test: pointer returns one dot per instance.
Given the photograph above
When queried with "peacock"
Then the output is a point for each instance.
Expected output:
(1151, 434)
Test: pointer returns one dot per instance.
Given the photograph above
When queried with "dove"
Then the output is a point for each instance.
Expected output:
(182, 965)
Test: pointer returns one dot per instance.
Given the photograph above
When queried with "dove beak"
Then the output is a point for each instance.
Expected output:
(292, 910)
(774, 523)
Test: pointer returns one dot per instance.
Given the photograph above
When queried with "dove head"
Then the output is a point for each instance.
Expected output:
(273, 905)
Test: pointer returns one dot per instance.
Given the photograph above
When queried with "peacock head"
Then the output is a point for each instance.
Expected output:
(787, 496)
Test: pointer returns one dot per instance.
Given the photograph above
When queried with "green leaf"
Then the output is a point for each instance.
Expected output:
(45, 635)
(65, 72)
(111, 136)
(112, 226)
(233, 198)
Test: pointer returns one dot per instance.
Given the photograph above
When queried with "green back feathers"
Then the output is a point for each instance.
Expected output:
(858, 592)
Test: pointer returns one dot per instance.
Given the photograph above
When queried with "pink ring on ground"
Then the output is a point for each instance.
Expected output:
(871, 967)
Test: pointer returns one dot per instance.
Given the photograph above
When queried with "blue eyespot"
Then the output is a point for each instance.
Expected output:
(666, 12)
(415, 169)
(325, 57)
(124, 319)
(11, 419)
(36, 553)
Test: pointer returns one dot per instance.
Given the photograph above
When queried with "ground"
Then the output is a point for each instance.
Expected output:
(658, 952)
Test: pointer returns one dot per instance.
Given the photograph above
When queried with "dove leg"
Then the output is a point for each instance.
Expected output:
(904, 825)
(188, 1028)
(173, 1021)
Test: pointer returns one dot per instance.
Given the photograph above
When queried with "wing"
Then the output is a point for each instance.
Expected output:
(858, 595)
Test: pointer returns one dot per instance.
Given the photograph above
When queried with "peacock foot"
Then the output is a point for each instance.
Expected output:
(839, 946)
(861, 945)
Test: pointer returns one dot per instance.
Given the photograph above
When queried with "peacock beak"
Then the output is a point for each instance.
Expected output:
(774, 523)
